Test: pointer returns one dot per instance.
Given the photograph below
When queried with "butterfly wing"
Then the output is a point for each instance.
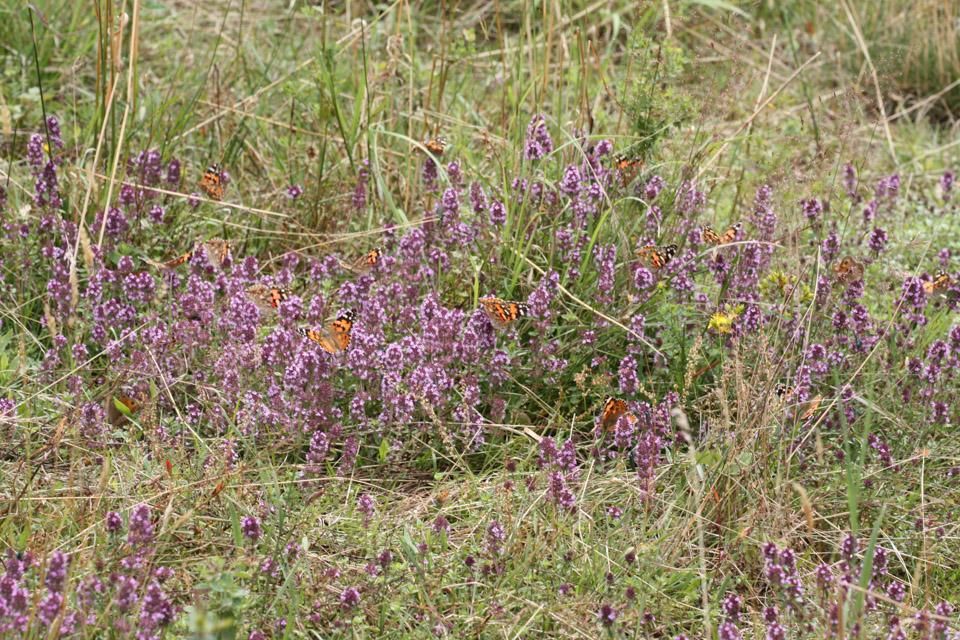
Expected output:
(267, 298)
(217, 250)
(731, 234)
(436, 146)
(941, 281)
(812, 407)
(711, 236)
(657, 257)
(334, 337)
(612, 409)
(364, 263)
(501, 312)
(849, 270)
(212, 182)
(176, 262)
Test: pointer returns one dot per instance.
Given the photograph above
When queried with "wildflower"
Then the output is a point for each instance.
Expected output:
(570, 183)
(429, 175)
(251, 528)
(653, 187)
(156, 611)
(947, 180)
(538, 141)
(498, 213)
(56, 571)
(729, 631)
(294, 191)
(721, 323)
(627, 375)
(731, 607)
(878, 240)
(607, 615)
(366, 506)
(50, 607)
(495, 536)
(350, 597)
(606, 260)
(812, 208)
(850, 181)
(141, 526)
(173, 172)
(830, 246)
(455, 174)
(440, 525)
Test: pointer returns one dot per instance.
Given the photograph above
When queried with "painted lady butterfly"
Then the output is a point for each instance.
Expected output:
(657, 257)
(216, 249)
(625, 163)
(503, 313)
(335, 336)
(364, 263)
(212, 182)
(941, 281)
(712, 237)
(848, 270)
(436, 146)
(267, 298)
(612, 409)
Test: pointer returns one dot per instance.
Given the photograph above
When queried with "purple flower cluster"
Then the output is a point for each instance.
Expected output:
(538, 142)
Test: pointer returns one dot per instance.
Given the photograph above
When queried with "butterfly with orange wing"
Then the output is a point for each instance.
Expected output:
(503, 313)
(267, 298)
(436, 145)
(657, 257)
(335, 336)
(216, 250)
(365, 263)
(848, 270)
(212, 182)
(710, 236)
(940, 282)
(612, 409)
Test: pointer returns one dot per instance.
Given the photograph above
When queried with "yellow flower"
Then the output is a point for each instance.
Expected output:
(721, 323)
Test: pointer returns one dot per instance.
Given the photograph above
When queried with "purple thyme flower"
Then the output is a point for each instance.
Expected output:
(366, 506)
(729, 631)
(156, 611)
(251, 528)
(349, 598)
(878, 240)
(812, 208)
(653, 188)
(538, 142)
(294, 191)
(627, 374)
(113, 522)
(607, 615)
(141, 526)
(495, 536)
(947, 181)
(570, 184)
(498, 213)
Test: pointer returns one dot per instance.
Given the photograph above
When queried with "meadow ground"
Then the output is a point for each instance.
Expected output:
(511, 319)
